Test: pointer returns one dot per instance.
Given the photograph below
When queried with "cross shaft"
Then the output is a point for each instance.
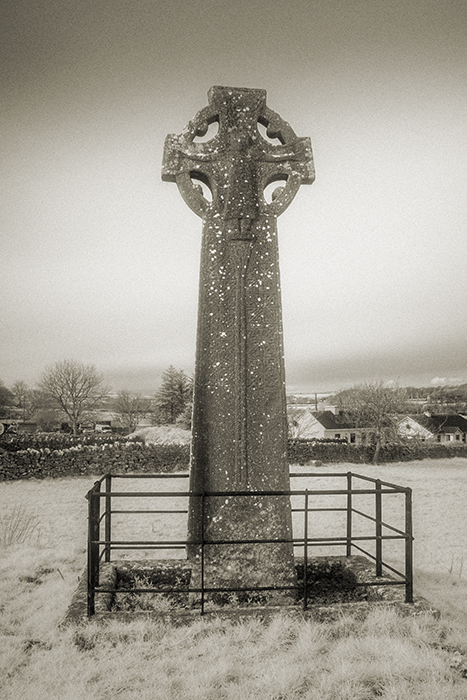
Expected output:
(239, 438)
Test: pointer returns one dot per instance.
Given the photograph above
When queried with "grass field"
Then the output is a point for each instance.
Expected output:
(42, 540)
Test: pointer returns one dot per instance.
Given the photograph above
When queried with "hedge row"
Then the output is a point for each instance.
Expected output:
(305, 451)
(39, 456)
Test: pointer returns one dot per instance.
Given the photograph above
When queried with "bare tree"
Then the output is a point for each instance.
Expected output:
(131, 408)
(372, 405)
(6, 399)
(22, 394)
(74, 387)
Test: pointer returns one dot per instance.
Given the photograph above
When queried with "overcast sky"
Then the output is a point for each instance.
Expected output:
(100, 258)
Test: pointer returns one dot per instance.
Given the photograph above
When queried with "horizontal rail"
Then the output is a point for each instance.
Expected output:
(386, 582)
(387, 566)
(325, 475)
(395, 571)
(149, 546)
(194, 542)
(375, 520)
(235, 494)
(151, 512)
(398, 489)
(197, 590)
(296, 541)
(364, 551)
(185, 475)
(188, 588)
(174, 475)
(363, 538)
(144, 494)
(318, 510)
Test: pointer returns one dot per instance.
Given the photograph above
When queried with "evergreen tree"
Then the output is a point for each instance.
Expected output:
(175, 392)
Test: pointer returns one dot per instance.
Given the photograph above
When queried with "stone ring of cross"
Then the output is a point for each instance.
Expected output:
(238, 163)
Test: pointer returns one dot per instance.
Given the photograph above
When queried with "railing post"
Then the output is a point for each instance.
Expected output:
(349, 515)
(108, 516)
(408, 547)
(379, 529)
(305, 554)
(202, 554)
(93, 548)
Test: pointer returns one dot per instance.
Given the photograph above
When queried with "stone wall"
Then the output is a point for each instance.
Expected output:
(40, 456)
(30, 456)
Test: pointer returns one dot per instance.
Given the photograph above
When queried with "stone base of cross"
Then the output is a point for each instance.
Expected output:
(247, 563)
(239, 443)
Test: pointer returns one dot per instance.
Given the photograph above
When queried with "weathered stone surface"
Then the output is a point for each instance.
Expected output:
(239, 421)
(77, 610)
(324, 604)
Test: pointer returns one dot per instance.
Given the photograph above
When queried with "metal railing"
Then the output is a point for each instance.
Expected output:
(101, 544)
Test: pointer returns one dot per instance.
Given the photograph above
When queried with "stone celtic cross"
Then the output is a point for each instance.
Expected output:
(239, 441)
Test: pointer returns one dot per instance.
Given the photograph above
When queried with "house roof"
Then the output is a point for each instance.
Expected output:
(331, 421)
(442, 423)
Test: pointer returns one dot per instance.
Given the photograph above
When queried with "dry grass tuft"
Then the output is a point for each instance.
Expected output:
(17, 526)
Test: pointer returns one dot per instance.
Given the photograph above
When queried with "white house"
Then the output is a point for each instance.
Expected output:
(441, 428)
(308, 424)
